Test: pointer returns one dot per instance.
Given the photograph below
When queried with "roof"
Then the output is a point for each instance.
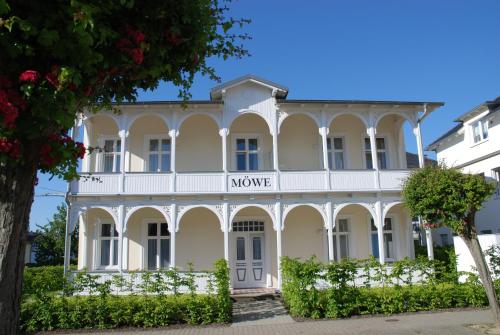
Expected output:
(493, 106)
(431, 104)
(412, 161)
(216, 92)
(170, 102)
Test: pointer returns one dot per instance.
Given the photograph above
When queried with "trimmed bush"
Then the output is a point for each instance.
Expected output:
(43, 279)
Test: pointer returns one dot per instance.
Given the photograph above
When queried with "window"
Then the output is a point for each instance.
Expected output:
(381, 153)
(388, 240)
(158, 252)
(479, 131)
(444, 239)
(111, 155)
(248, 226)
(335, 153)
(159, 155)
(496, 175)
(341, 240)
(247, 154)
(108, 243)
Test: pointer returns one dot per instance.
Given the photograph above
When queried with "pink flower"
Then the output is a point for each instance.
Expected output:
(52, 78)
(123, 44)
(30, 76)
(137, 56)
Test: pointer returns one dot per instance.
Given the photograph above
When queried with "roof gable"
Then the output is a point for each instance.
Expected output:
(280, 90)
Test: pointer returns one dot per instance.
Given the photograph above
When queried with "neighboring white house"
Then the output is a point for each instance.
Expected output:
(473, 146)
(248, 176)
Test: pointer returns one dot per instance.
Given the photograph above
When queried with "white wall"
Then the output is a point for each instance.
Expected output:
(465, 262)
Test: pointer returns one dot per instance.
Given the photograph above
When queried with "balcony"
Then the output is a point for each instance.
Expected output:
(239, 182)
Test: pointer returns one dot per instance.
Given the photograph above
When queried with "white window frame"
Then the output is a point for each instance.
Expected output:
(234, 150)
(393, 232)
(336, 235)
(158, 237)
(331, 152)
(482, 123)
(102, 140)
(113, 239)
(159, 137)
(387, 151)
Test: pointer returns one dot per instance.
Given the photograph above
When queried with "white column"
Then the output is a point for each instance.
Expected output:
(323, 131)
(420, 148)
(373, 146)
(331, 225)
(276, 166)
(278, 227)
(430, 246)
(223, 133)
(410, 242)
(173, 232)
(67, 241)
(120, 223)
(380, 232)
(226, 224)
(86, 143)
(123, 139)
(173, 136)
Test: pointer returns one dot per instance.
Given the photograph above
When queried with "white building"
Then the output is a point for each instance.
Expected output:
(248, 176)
(473, 146)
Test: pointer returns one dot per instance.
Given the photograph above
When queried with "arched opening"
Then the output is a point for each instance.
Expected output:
(199, 240)
(397, 221)
(304, 235)
(149, 145)
(391, 150)
(252, 249)
(102, 132)
(299, 144)
(250, 144)
(97, 241)
(199, 145)
(346, 149)
(147, 240)
(354, 234)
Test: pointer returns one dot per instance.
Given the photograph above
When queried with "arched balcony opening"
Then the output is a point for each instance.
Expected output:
(101, 132)
(147, 240)
(250, 145)
(398, 221)
(304, 234)
(299, 144)
(345, 143)
(252, 249)
(199, 145)
(199, 239)
(149, 145)
(390, 142)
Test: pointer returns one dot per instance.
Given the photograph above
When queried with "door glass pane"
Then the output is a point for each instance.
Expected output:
(382, 160)
(164, 230)
(108, 146)
(153, 162)
(387, 224)
(344, 246)
(240, 249)
(328, 143)
(375, 245)
(164, 253)
(256, 245)
(118, 146)
(240, 144)
(335, 256)
(105, 250)
(342, 226)
(152, 250)
(153, 145)
(241, 162)
(339, 160)
(253, 162)
(252, 144)
(367, 143)
(165, 162)
(115, 251)
(165, 145)
(152, 230)
(369, 164)
(106, 230)
(380, 143)
(388, 245)
(338, 143)
(330, 161)
(117, 162)
(108, 163)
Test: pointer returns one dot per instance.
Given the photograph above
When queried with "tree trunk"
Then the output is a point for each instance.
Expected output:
(16, 197)
(484, 273)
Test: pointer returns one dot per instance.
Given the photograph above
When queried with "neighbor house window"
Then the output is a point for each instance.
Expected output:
(159, 155)
(381, 153)
(479, 131)
(444, 239)
(111, 155)
(335, 146)
(158, 246)
(341, 239)
(496, 175)
(247, 154)
(108, 241)
(388, 240)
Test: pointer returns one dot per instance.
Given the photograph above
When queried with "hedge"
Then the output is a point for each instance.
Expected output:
(50, 310)
(394, 293)
(43, 278)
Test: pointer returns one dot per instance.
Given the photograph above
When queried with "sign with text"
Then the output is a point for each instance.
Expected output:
(251, 182)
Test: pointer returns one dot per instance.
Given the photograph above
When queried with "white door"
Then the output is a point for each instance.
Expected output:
(248, 255)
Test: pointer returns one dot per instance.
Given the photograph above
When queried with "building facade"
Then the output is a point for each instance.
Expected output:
(248, 176)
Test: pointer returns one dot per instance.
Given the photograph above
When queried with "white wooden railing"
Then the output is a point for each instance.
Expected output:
(239, 182)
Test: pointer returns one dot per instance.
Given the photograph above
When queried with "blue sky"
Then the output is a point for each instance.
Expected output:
(447, 50)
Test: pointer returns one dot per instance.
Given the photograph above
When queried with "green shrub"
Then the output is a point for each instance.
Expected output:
(43, 279)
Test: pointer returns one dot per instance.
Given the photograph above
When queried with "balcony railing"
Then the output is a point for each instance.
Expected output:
(239, 182)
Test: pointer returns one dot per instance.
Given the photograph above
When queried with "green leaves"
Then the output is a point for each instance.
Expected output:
(47, 37)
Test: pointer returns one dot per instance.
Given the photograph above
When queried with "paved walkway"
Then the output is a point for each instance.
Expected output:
(261, 310)
(443, 323)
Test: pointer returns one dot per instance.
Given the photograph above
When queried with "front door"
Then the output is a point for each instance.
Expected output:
(248, 265)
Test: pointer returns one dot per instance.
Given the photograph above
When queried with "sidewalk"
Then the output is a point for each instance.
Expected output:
(442, 323)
